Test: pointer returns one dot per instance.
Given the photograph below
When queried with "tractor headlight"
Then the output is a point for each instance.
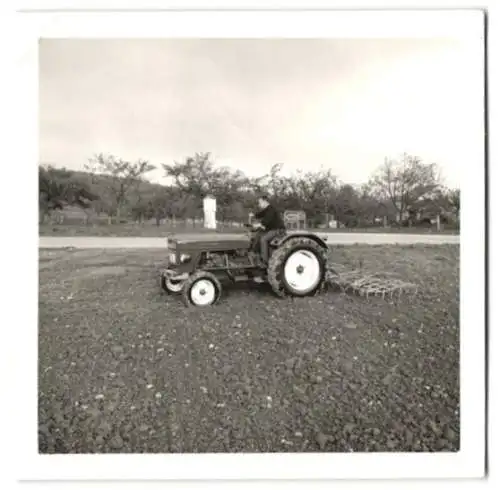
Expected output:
(172, 258)
(185, 258)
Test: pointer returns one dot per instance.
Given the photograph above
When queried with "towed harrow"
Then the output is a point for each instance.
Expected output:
(367, 283)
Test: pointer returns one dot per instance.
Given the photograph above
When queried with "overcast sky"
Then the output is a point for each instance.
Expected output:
(343, 104)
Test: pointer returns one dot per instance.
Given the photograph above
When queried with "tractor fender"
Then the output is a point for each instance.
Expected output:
(278, 241)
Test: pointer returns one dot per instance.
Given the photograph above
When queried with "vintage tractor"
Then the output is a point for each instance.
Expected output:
(197, 267)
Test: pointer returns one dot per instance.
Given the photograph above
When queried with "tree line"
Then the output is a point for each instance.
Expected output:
(405, 190)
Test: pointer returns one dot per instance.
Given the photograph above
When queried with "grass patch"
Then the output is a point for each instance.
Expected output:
(133, 230)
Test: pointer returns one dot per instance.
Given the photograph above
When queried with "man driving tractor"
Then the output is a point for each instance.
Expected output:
(272, 225)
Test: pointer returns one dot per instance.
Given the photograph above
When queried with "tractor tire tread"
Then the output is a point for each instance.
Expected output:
(201, 274)
(276, 261)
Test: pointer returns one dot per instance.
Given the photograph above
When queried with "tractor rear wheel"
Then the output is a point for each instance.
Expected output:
(297, 268)
(201, 289)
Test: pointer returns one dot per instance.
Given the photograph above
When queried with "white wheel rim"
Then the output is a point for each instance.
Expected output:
(175, 287)
(203, 292)
(302, 271)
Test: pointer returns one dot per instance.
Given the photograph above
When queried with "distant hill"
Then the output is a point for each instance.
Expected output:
(98, 183)
(142, 191)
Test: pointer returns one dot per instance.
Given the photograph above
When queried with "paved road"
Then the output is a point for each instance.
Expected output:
(159, 242)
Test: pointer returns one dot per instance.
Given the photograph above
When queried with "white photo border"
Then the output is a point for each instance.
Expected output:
(469, 461)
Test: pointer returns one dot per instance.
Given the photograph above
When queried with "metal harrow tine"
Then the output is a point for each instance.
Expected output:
(366, 283)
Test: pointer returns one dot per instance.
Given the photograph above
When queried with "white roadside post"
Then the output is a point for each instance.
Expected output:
(209, 212)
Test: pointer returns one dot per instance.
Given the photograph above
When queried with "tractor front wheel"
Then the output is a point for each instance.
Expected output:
(201, 289)
(297, 268)
(171, 286)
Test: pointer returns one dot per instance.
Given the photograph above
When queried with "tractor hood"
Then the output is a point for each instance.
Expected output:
(210, 242)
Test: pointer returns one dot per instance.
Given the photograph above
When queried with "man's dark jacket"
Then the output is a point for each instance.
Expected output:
(270, 218)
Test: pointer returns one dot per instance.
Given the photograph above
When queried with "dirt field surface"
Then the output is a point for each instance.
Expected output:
(125, 368)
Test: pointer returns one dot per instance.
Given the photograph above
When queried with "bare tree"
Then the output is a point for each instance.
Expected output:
(120, 177)
(59, 188)
(404, 182)
(316, 192)
(227, 188)
(196, 175)
(453, 196)
(347, 206)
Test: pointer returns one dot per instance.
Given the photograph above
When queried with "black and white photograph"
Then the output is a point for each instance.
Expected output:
(254, 244)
